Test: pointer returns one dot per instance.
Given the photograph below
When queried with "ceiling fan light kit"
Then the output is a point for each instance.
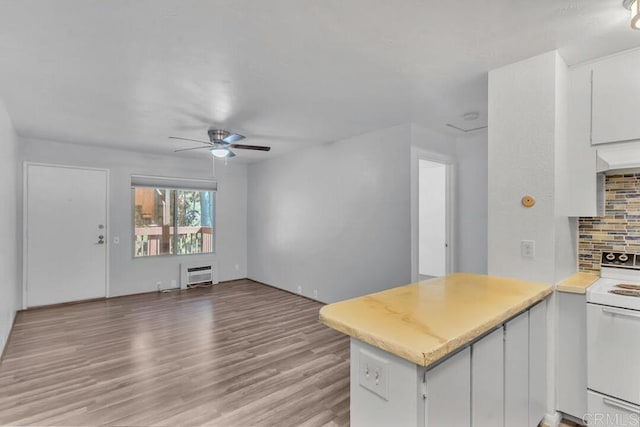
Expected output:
(634, 7)
(220, 152)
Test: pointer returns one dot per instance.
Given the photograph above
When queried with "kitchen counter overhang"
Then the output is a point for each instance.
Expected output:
(426, 321)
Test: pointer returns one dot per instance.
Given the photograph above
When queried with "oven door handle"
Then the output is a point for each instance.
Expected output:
(620, 405)
(628, 313)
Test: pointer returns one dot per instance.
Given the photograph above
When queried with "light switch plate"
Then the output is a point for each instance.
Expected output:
(373, 374)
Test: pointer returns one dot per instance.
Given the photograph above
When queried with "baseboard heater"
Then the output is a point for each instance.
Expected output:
(192, 275)
(199, 275)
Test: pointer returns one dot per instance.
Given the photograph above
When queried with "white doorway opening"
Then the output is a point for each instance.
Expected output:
(432, 215)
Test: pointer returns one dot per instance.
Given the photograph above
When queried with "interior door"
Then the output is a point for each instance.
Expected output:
(66, 235)
(433, 214)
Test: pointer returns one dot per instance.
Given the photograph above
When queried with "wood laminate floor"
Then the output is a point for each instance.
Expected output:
(237, 354)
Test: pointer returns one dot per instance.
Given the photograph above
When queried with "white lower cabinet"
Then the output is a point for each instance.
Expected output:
(487, 379)
(448, 392)
(498, 380)
(516, 371)
(537, 363)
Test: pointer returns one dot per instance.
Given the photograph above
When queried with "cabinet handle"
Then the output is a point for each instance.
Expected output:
(628, 313)
(620, 405)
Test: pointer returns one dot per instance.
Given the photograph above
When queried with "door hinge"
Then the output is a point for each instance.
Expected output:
(424, 386)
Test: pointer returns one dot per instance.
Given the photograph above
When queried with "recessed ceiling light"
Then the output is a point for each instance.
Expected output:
(473, 115)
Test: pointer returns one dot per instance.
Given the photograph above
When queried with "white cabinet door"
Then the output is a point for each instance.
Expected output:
(516, 371)
(537, 363)
(449, 392)
(616, 99)
(487, 377)
(578, 154)
(571, 380)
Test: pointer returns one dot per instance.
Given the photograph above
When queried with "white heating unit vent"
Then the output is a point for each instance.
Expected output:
(195, 274)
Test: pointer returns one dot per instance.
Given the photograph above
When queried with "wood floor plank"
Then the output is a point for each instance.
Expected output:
(237, 354)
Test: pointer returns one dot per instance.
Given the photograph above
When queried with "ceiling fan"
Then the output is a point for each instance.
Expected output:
(221, 142)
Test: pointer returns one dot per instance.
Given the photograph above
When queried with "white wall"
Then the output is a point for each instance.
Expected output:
(471, 203)
(334, 218)
(522, 99)
(432, 221)
(566, 229)
(528, 156)
(10, 261)
(434, 142)
(128, 275)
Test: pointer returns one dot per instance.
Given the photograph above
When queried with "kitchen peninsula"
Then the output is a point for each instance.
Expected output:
(447, 351)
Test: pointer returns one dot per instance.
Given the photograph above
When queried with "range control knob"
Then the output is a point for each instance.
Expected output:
(623, 258)
(610, 257)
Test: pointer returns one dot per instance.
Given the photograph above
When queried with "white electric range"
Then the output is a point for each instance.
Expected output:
(613, 342)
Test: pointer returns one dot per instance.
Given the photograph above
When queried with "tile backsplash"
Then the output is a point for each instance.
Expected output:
(618, 230)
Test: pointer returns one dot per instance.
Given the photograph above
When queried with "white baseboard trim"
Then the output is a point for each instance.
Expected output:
(5, 339)
(552, 420)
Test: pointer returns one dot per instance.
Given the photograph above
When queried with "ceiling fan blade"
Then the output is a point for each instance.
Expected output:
(192, 140)
(230, 155)
(251, 147)
(229, 139)
(187, 149)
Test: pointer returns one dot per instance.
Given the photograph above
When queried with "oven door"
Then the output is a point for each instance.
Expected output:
(607, 411)
(613, 352)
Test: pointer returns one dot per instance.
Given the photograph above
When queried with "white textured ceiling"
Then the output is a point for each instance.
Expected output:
(288, 73)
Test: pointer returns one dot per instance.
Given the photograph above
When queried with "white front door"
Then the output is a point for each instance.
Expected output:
(66, 235)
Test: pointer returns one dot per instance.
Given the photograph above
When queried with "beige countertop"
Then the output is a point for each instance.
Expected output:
(578, 283)
(425, 321)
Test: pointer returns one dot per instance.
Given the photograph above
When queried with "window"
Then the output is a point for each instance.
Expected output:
(172, 221)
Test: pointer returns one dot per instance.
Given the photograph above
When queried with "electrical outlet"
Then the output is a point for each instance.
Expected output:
(300, 290)
(315, 293)
(528, 248)
(373, 374)
(159, 284)
(237, 267)
(174, 284)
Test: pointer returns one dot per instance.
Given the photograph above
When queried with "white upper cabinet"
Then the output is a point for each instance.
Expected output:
(576, 157)
(615, 101)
